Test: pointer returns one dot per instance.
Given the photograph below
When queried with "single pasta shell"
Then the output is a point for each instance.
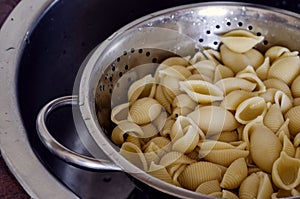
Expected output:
(262, 70)
(201, 91)
(175, 157)
(249, 187)
(250, 109)
(288, 147)
(295, 87)
(265, 189)
(238, 61)
(228, 136)
(279, 85)
(225, 157)
(297, 140)
(212, 55)
(222, 72)
(204, 67)
(133, 139)
(265, 147)
(286, 172)
(144, 110)
(235, 174)
(198, 173)
(183, 100)
(188, 142)
(123, 128)
(170, 87)
(228, 194)
(141, 88)
(133, 154)
(161, 98)
(216, 194)
(160, 142)
(297, 153)
(274, 118)
(284, 130)
(240, 41)
(160, 121)
(234, 98)
(166, 130)
(213, 119)
(285, 69)
(176, 71)
(120, 113)
(197, 57)
(275, 52)
(269, 95)
(249, 74)
(294, 116)
(233, 83)
(175, 61)
(160, 172)
(209, 187)
(283, 101)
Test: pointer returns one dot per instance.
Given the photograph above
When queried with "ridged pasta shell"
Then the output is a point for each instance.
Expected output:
(274, 118)
(199, 56)
(167, 127)
(204, 67)
(289, 66)
(144, 87)
(228, 136)
(183, 100)
(119, 113)
(235, 174)
(263, 69)
(265, 147)
(212, 55)
(234, 98)
(249, 187)
(296, 101)
(123, 128)
(151, 153)
(184, 111)
(295, 87)
(197, 173)
(228, 194)
(174, 157)
(240, 41)
(269, 95)
(233, 83)
(133, 139)
(160, 142)
(279, 85)
(250, 109)
(238, 61)
(288, 146)
(160, 121)
(170, 87)
(265, 186)
(284, 130)
(249, 74)
(213, 119)
(134, 155)
(281, 194)
(297, 140)
(275, 52)
(194, 155)
(201, 91)
(188, 141)
(175, 61)
(286, 172)
(222, 72)
(294, 116)
(283, 101)
(149, 130)
(160, 172)
(297, 153)
(144, 110)
(176, 71)
(198, 76)
(209, 187)
(162, 99)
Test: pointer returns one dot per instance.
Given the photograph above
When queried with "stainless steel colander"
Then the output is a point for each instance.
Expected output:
(136, 50)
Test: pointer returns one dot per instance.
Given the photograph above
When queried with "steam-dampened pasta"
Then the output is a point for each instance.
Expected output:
(222, 123)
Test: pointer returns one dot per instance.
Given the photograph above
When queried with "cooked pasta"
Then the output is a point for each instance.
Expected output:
(222, 123)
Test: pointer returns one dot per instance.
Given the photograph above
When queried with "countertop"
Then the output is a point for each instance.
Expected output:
(9, 186)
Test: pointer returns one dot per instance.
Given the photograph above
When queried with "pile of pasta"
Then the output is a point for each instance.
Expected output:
(222, 123)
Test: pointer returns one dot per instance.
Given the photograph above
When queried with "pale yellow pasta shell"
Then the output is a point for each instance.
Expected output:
(225, 157)
(133, 139)
(149, 130)
(269, 95)
(238, 61)
(263, 69)
(216, 194)
(234, 98)
(209, 187)
(265, 189)
(119, 113)
(286, 172)
(198, 76)
(176, 71)
(250, 109)
(199, 56)
(233, 83)
(162, 99)
(249, 74)
(274, 118)
(249, 187)
(279, 85)
(170, 87)
(125, 127)
(289, 66)
(183, 100)
(201, 91)
(166, 130)
(160, 121)
(297, 140)
(194, 155)
(275, 52)
(265, 147)
(188, 141)
(288, 146)
(175, 61)
(283, 101)
(228, 194)
(160, 142)
(212, 55)
(160, 172)
(134, 155)
(296, 101)
(228, 136)
(297, 153)
(144, 87)
(240, 41)
(175, 157)
(294, 116)
(204, 67)
(144, 110)
(284, 130)
(213, 119)
(197, 173)
(235, 174)
(222, 72)
(295, 87)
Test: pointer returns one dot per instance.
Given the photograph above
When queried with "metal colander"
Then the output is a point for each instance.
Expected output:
(137, 49)
(180, 32)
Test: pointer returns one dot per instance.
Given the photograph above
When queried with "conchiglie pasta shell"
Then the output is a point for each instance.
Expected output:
(170, 87)
(212, 55)
(238, 61)
(289, 66)
(240, 41)
(222, 72)
(160, 121)
(167, 127)
(265, 189)
(123, 128)
(228, 136)
(201, 91)
(275, 52)
(209, 187)
(283, 101)
(295, 87)
(184, 111)
(204, 67)
(235, 174)
(144, 110)
(274, 118)
(228, 194)
(187, 142)
(197, 173)
(120, 113)
(199, 56)
(234, 98)
(133, 139)
(176, 71)
(149, 130)
(162, 99)
(144, 87)
(250, 109)
(249, 187)
(296, 101)
(173, 158)
(160, 142)
(262, 70)
(297, 140)
(265, 147)
(134, 155)
(279, 85)
(284, 130)
(160, 172)
(269, 95)
(213, 119)
(233, 83)
(288, 146)
(175, 61)
(294, 116)
(249, 74)
(183, 100)
(286, 172)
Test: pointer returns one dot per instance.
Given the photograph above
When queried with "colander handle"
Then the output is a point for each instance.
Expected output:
(61, 151)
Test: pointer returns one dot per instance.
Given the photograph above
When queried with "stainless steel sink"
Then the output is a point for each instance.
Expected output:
(41, 53)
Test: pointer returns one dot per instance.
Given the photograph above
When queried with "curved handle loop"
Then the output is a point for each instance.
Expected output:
(59, 150)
